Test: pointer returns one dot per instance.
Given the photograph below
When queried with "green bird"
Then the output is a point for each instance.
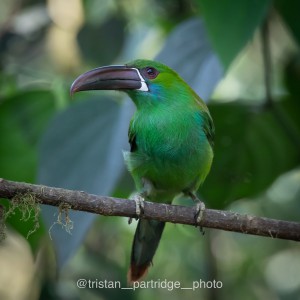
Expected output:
(171, 138)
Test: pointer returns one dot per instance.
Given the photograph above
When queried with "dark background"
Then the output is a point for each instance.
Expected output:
(242, 57)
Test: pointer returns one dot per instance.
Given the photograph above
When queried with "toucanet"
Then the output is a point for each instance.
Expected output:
(171, 142)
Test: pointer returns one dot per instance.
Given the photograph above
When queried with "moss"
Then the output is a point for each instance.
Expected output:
(63, 218)
(29, 206)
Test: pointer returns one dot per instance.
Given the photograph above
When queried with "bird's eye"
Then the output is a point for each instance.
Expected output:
(150, 72)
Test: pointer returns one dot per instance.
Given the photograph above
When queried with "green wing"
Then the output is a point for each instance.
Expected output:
(208, 127)
(132, 138)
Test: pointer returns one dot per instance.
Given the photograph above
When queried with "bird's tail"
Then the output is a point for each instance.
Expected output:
(145, 243)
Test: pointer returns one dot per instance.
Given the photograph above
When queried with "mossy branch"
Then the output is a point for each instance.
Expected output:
(109, 206)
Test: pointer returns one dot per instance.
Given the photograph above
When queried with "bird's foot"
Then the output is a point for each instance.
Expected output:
(200, 208)
(139, 205)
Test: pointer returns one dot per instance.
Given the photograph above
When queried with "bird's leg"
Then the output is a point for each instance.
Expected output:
(200, 208)
(139, 198)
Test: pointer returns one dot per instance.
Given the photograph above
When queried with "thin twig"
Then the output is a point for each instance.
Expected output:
(267, 60)
(109, 206)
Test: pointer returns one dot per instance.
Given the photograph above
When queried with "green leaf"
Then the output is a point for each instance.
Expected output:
(82, 149)
(23, 119)
(231, 24)
(252, 149)
(289, 11)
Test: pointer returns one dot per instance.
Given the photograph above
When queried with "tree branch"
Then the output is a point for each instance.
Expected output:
(109, 206)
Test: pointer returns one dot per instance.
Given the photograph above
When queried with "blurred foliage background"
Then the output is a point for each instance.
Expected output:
(241, 56)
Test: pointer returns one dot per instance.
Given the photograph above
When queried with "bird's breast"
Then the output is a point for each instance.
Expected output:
(172, 153)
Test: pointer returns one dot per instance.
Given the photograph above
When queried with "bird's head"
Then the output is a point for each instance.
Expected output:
(145, 81)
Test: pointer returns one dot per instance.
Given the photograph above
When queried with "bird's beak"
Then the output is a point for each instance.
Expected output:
(110, 78)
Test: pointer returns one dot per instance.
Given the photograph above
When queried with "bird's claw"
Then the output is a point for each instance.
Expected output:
(139, 205)
(200, 208)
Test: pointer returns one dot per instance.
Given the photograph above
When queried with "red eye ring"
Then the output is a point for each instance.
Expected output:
(150, 72)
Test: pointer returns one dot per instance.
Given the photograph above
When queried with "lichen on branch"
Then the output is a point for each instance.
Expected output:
(28, 205)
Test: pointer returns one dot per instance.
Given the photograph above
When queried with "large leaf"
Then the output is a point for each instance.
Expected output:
(23, 118)
(188, 51)
(252, 149)
(82, 149)
(231, 24)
